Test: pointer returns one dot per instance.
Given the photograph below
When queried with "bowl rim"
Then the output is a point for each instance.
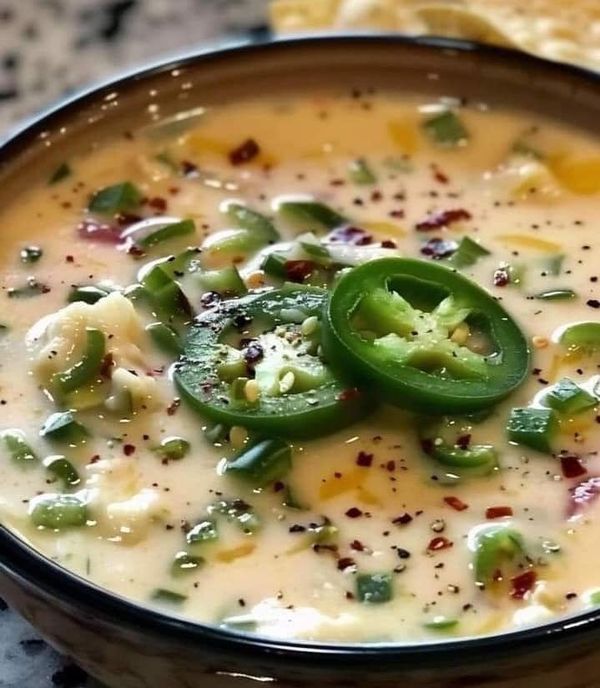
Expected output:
(20, 560)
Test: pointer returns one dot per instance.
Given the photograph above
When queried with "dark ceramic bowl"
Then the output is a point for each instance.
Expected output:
(129, 646)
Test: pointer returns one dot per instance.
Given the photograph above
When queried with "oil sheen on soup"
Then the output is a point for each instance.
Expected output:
(317, 367)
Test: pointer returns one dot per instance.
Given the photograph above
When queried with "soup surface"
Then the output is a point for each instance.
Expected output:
(353, 446)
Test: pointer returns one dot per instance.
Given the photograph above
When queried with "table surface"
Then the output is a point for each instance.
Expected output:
(48, 49)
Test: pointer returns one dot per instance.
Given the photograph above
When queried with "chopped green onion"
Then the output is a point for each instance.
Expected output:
(87, 369)
(493, 546)
(62, 469)
(254, 222)
(31, 254)
(374, 588)
(311, 215)
(61, 172)
(232, 242)
(88, 293)
(32, 288)
(360, 172)
(17, 447)
(446, 129)
(441, 623)
(316, 252)
(116, 198)
(467, 253)
(226, 281)
(63, 427)
(584, 335)
(173, 230)
(185, 563)
(556, 295)
(58, 511)
(203, 532)
(533, 427)
(324, 534)
(165, 338)
(238, 512)
(172, 448)
(168, 596)
(241, 624)
(569, 398)
(263, 463)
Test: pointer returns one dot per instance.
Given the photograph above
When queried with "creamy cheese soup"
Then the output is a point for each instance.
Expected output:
(382, 426)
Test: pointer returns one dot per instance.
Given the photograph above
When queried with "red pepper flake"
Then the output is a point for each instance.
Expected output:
(571, 466)
(349, 394)
(463, 441)
(357, 546)
(593, 303)
(427, 446)
(245, 152)
(351, 235)
(157, 203)
(69, 259)
(402, 520)
(298, 270)
(128, 449)
(173, 406)
(189, 169)
(354, 512)
(583, 494)
(390, 466)
(501, 277)
(498, 511)
(443, 218)
(102, 232)
(388, 243)
(95, 458)
(127, 219)
(438, 175)
(522, 584)
(439, 543)
(135, 251)
(346, 563)
(455, 503)
(397, 214)
(363, 459)
(438, 248)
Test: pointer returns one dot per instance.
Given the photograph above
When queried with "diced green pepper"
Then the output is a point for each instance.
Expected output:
(62, 469)
(374, 588)
(311, 215)
(84, 371)
(262, 463)
(28, 290)
(552, 265)
(88, 293)
(30, 254)
(441, 623)
(166, 296)
(361, 173)
(533, 427)
(239, 512)
(203, 532)
(175, 230)
(115, 199)
(446, 129)
(18, 448)
(61, 172)
(165, 338)
(172, 448)
(583, 335)
(568, 398)
(273, 264)
(63, 427)
(58, 511)
(467, 253)
(495, 546)
(226, 281)
(168, 597)
(185, 563)
(254, 222)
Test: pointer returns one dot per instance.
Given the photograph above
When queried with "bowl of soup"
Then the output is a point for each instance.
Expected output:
(299, 380)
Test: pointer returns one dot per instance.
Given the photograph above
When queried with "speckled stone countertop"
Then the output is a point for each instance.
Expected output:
(49, 48)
